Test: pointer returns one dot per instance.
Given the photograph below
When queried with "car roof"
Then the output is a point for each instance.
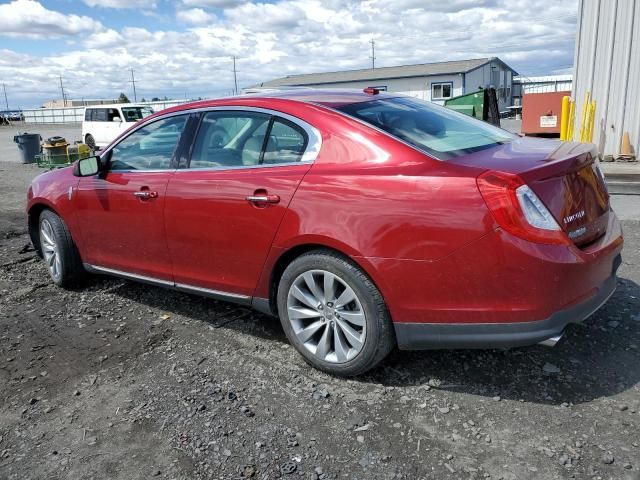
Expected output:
(332, 98)
(327, 97)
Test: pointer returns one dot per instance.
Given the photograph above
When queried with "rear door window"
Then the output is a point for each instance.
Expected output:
(229, 139)
(286, 143)
(100, 115)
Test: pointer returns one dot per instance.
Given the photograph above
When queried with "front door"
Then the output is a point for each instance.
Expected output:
(120, 212)
(223, 212)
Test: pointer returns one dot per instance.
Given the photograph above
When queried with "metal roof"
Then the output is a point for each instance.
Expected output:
(382, 73)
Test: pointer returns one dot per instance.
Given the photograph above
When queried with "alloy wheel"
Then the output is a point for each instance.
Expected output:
(326, 316)
(50, 249)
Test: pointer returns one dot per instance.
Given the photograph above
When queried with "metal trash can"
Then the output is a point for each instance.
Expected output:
(29, 145)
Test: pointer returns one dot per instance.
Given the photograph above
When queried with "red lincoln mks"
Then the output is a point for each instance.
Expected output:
(363, 220)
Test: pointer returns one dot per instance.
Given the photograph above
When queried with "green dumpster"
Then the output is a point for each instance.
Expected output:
(470, 104)
(481, 104)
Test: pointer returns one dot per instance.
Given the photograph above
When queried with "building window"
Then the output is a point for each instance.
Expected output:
(441, 90)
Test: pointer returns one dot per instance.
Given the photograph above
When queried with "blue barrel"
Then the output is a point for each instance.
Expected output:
(29, 145)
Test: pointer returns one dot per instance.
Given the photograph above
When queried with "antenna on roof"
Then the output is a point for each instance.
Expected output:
(373, 53)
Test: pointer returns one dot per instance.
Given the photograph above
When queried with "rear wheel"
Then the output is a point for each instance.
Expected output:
(90, 141)
(58, 250)
(333, 314)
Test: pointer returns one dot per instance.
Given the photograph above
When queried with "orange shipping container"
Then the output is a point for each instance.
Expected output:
(541, 113)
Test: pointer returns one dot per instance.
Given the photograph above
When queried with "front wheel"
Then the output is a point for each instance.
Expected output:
(58, 250)
(90, 141)
(333, 314)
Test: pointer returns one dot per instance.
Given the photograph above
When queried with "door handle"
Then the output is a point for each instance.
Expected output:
(263, 198)
(145, 194)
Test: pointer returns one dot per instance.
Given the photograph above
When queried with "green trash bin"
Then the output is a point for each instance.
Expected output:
(470, 104)
(481, 104)
(29, 146)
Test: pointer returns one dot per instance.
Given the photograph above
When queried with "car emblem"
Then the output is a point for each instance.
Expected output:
(574, 216)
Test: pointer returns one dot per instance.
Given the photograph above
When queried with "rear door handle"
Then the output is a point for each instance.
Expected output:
(146, 194)
(263, 198)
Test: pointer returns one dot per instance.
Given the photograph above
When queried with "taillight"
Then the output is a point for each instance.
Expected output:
(518, 210)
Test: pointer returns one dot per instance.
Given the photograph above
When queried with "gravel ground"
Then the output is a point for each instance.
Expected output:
(125, 381)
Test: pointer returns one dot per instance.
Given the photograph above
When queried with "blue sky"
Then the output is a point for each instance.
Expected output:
(185, 47)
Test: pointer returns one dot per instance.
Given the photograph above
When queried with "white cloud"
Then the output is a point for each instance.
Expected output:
(284, 38)
(28, 18)
(213, 3)
(144, 4)
(195, 16)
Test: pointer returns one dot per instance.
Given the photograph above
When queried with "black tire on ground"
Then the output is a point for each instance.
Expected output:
(90, 141)
(69, 271)
(380, 336)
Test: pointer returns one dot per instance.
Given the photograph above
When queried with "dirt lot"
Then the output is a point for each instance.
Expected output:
(126, 381)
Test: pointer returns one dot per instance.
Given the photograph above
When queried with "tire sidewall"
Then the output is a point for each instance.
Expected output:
(63, 254)
(356, 279)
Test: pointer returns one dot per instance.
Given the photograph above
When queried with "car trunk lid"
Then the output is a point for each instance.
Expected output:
(564, 175)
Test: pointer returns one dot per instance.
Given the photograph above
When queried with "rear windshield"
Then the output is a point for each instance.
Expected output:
(133, 114)
(438, 131)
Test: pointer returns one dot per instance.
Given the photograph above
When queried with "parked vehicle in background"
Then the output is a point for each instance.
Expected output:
(102, 124)
(12, 116)
(364, 220)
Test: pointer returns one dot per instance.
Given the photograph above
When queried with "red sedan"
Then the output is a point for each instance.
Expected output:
(363, 220)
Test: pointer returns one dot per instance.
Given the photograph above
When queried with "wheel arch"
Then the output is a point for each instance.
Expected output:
(33, 217)
(286, 256)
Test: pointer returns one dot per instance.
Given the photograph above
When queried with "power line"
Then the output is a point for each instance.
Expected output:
(133, 82)
(373, 53)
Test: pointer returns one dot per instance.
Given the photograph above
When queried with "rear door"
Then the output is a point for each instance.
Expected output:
(223, 212)
(120, 213)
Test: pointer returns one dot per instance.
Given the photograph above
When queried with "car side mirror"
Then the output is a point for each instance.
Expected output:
(117, 119)
(87, 167)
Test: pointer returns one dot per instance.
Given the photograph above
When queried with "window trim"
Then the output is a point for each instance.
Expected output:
(441, 83)
(312, 150)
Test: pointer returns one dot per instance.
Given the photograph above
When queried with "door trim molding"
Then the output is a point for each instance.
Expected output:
(182, 287)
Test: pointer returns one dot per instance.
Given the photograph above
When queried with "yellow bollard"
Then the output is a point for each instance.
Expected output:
(592, 119)
(571, 122)
(564, 118)
(583, 119)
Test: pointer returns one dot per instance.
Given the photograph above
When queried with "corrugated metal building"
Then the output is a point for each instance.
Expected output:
(550, 83)
(607, 64)
(429, 81)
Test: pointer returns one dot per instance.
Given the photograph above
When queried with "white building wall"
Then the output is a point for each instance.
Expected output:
(418, 87)
(607, 64)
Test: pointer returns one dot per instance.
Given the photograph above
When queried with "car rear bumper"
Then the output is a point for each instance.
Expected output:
(424, 336)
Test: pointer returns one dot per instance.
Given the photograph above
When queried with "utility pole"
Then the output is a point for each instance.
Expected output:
(64, 98)
(4, 87)
(133, 82)
(235, 76)
(373, 53)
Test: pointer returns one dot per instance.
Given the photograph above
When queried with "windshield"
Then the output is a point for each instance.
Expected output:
(133, 114)
(441, 132)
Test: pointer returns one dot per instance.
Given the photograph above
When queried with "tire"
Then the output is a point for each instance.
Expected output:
(90, 141)
(59, 251)
(346, 333)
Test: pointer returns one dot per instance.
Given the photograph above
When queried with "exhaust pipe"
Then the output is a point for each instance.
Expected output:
(551, 341)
